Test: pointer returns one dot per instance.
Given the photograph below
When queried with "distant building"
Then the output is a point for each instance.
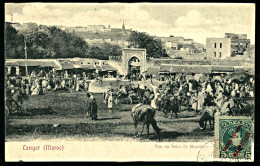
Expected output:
(88, 28)
(235, 36)
(232, 45)
(62, 27)
(239, 43)
(100, 34)
(96, 28)
(175, 46)
(218, 48)
(16, 26)
(121, 30)
(188, 41)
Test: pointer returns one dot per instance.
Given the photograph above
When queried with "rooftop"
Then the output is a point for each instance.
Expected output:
(134, 49)
(197, 69)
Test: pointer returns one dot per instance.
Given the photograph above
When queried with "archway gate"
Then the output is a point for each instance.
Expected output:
(132, 53)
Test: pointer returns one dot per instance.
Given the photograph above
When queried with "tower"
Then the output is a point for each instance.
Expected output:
(123, 26)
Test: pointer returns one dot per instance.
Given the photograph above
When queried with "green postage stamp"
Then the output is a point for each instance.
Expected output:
(233, 137)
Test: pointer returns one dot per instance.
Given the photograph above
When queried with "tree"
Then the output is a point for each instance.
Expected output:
(43, 42)
(153, 46)
(103, 51)
(14, 47)
(51, 42)
(251, 51)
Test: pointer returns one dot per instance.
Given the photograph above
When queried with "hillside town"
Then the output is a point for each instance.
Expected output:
(232, 50)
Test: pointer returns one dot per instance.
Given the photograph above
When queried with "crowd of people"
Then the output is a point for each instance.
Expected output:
(40, 81)
(39, 86)
(177, 91)
(37, 83)
(224, 94)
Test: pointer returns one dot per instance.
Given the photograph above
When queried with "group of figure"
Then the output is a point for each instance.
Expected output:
(212, 97)
(39, 86)
(194, 95)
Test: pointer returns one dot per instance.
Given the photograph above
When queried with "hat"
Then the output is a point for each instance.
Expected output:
(11, 86)
(176, 94)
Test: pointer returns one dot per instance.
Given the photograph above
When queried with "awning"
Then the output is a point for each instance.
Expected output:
(85, 67)
(244, 69)
(153, 70)
(106, 67)
(8, 63)
(29, 63)
(66, 66)
(222, 69)
(193, 69)
(32, 63)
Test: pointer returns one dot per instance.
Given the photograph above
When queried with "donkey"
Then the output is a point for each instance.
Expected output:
(16, 98)
(208, 115)
(144, 114)
(170, 105)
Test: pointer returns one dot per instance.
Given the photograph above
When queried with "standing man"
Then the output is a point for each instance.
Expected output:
(93, 110)
(91, 107)
(110, 102)
(88, 104)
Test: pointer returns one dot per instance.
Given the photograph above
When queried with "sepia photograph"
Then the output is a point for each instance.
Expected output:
(129, 81)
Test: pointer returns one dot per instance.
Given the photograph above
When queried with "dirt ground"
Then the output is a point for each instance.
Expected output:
(62, 115)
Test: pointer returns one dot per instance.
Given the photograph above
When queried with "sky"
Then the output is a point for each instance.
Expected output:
(196, 21)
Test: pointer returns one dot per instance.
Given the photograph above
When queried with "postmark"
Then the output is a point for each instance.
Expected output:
(206, 153)
(233, 137)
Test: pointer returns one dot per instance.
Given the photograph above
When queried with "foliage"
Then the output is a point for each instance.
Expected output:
(251, 52)
(13, 43)
(43, 42)
(51, 42)
(154, 47)
(241, 76)
(103, 51)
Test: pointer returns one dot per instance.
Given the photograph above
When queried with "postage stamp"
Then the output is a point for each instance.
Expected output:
(233, 137)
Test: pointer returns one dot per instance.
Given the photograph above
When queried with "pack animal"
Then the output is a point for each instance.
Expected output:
(144, 114)
(208, 115)
(170, 104)
(15, 100)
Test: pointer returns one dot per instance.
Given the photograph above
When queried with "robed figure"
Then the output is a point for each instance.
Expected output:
(91, 107)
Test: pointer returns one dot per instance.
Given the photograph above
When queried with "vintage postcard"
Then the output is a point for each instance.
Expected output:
(129, 82)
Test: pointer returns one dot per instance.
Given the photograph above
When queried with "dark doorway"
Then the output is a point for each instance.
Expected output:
(134, 66)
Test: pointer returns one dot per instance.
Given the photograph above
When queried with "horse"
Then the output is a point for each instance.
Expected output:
(17, 98)
(140, 92)
(241, 108)
(184, 97)
(208, 115)
(165, 105)
(121, 95)
(174, 106)
(170, 104)
(133, 97)
(144, 114)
